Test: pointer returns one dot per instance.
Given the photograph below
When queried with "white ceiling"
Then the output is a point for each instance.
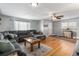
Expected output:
(25, 10)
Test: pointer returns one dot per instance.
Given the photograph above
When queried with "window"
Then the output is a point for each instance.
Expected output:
(71, 25)
(64, 25)
(19, 25)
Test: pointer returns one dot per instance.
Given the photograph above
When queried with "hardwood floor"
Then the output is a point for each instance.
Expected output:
(60, 47)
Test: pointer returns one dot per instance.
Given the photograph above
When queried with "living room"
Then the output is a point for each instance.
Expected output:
(39, 29)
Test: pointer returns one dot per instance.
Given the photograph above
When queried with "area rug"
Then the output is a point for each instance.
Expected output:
(42, 51)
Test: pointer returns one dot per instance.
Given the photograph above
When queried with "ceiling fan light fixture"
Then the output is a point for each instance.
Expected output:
(34, 4)
(55, 19)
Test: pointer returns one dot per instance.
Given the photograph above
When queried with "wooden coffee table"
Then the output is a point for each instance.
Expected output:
(32, 41)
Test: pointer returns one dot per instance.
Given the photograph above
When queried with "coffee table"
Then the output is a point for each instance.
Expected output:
(32, 42)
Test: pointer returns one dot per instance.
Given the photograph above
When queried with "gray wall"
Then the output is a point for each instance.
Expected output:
(36, 24)
(57, 28)
(7, 23)
(59, 31)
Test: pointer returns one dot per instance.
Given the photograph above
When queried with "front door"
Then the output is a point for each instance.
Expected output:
(47, 28)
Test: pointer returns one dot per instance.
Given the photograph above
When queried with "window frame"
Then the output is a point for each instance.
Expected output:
(18, 25)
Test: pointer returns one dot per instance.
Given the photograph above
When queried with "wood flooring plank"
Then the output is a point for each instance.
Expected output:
(60, 47)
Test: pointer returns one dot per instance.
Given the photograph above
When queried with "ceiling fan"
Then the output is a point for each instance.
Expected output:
(55, 17)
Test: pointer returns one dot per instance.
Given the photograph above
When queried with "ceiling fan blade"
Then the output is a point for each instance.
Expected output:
(58, 17)
(54, 16)
(61, 16)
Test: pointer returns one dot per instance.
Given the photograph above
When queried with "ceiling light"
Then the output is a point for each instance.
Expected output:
(54, 19)
(34, 4)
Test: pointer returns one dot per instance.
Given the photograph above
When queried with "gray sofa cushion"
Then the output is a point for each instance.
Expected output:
(6, 46)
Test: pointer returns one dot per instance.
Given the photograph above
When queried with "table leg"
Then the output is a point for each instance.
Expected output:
(31, 47)
(39, 44)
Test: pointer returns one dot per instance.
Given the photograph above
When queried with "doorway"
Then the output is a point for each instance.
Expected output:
(47, 28)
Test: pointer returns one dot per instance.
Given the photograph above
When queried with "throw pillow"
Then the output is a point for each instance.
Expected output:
(10, 36)
(1, 36)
